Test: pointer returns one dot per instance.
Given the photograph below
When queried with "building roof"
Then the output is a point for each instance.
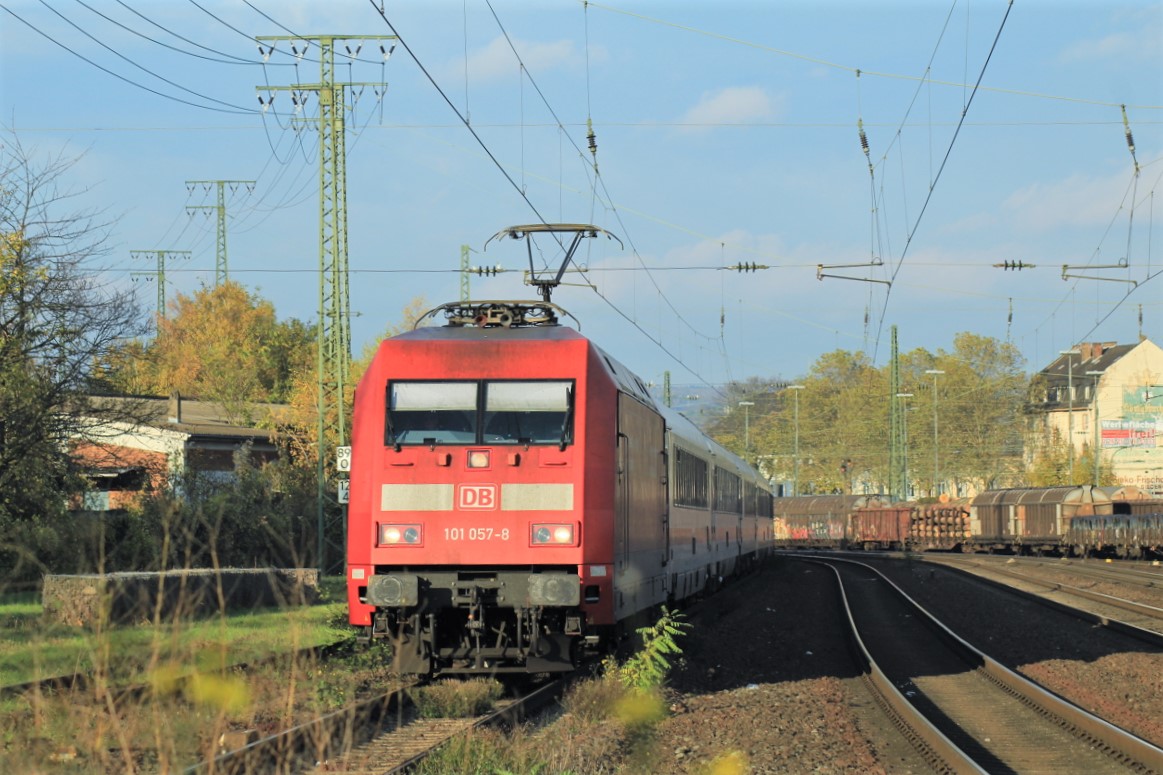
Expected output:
(1092, 356)
(195, 417)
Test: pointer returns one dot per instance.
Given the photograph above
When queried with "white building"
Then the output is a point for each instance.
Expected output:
(1109, 395)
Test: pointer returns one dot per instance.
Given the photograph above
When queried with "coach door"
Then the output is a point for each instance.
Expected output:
(641, 519)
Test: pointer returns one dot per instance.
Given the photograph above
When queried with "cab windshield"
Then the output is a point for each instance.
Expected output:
(480, 412)
(526, 412)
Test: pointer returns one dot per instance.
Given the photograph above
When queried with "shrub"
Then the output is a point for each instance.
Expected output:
(647, 668)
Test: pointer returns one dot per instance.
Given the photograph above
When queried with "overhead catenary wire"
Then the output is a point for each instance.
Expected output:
(139, 66)
(940, 169)
(424, 70)
(221, 58)
(596, 172)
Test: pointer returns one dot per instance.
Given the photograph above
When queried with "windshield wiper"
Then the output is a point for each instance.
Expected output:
(565, 423)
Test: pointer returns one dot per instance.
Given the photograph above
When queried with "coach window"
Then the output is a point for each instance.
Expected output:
(431, 413)
(528, 413)
(690, 480)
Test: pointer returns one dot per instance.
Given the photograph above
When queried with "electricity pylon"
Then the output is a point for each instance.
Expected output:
(333, 332)
(220, 266)
(160, 274)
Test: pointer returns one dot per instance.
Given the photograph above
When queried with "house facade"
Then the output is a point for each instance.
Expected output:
(1109, 396)
(170, 438)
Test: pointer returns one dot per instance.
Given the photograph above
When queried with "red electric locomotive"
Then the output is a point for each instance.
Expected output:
(513, 496)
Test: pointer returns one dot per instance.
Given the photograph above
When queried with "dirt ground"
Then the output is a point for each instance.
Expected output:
(766, 683)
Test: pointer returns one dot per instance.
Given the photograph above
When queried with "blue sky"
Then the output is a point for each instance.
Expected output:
(726, 132)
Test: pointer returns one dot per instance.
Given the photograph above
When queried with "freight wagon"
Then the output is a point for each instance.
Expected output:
(1127, 536)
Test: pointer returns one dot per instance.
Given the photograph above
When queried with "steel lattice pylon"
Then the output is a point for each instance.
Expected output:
(221, 272)
(333, 336)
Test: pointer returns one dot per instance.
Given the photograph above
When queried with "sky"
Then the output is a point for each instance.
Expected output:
(728, 135)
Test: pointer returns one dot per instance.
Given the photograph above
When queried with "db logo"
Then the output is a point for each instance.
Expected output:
(476, 496)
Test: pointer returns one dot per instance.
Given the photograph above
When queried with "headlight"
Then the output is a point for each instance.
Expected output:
(409, 535)
(553, 535)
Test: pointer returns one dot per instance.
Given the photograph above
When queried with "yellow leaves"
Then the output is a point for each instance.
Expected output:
(733, 763)
(219, 692)
(224, 693)
(166, 679)
(638, 709)
(12, 244)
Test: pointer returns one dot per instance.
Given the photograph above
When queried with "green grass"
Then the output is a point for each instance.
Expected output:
(32, 649)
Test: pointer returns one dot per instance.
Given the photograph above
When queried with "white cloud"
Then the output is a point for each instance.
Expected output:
(496, 60)
(1141, 43)
(733, 105)
(1079, 200)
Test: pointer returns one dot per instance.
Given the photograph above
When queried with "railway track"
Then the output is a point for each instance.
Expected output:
(1133, 574)
(965, 711)
(1108, 607)
(122, 691)
(373, 737)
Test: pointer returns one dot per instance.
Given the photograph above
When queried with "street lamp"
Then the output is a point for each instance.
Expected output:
(1097, 432)
(795, 482)
(935, 373)
(905, 444)
(1070, 411)
(747, 424)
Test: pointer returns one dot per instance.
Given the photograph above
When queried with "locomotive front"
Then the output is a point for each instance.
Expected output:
(467, 545)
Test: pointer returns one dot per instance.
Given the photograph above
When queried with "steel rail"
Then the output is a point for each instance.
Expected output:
(302, 746)
(507, 716)
(942, 753)
(1142, 609)
(1133, 749)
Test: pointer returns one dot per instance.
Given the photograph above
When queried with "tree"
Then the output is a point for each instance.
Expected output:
(300, 431)
(58, 316)
(1050, 464)
(843, 420)
(982, 424)
(222, 344)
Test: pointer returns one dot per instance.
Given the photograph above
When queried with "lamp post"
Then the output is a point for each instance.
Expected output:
(1097, 430)
(905, 444)
(747, 424)
(936, 487)
(1070, 410)
(795, 482)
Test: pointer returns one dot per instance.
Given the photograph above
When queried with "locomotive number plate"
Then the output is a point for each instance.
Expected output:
(476, 534)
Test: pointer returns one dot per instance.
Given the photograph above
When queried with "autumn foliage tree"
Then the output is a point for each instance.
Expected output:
(300, 431)
(222, 344)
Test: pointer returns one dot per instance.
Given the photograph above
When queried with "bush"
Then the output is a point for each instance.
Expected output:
(647, 668)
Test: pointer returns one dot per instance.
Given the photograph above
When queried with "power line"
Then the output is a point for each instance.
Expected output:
(597, 176)
(236, 110)
(230, 61)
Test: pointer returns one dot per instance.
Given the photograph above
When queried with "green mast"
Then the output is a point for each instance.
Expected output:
(333, 332)
(220, 264)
